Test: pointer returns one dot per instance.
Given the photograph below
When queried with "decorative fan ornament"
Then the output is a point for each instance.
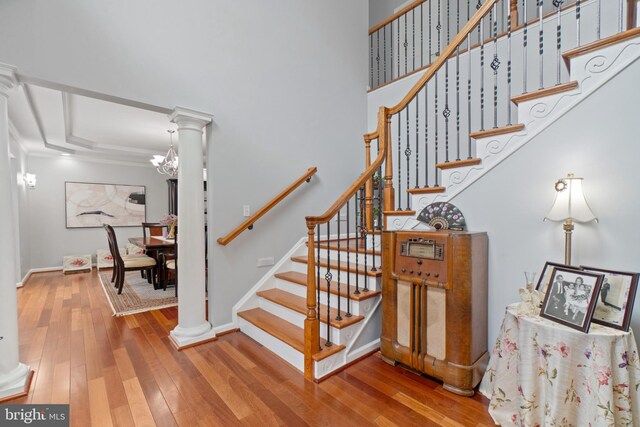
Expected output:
(443, 216)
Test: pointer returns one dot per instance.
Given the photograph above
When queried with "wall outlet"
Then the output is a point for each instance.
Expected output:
(246, 210)
(265, 262)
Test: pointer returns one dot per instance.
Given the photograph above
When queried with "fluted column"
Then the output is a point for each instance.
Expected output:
(193, 326)
(14, 376)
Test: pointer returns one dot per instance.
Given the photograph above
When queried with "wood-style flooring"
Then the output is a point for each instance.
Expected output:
(123, 371)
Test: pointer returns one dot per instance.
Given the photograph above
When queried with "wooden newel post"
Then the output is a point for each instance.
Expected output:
(368, 188)
(384, 124)
(311, 323)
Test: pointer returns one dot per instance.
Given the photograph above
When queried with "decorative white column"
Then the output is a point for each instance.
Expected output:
(14, 376)
(193, 326)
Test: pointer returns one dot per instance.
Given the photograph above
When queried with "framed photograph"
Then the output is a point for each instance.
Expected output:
(571, 297)
(545, 276)
(617, 295)
(92, 205)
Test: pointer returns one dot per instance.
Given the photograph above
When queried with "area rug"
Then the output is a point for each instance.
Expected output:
(137, 295)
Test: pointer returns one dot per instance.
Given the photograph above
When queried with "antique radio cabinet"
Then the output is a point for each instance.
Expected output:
(434, 305)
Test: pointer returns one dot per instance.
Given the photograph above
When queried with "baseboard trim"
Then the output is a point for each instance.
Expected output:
(229, 328)
(342, 368)
(37, 270)
(24, 393)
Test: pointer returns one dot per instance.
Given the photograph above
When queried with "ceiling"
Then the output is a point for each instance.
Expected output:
(51, 121)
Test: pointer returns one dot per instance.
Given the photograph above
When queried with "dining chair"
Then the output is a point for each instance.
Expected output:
(152, 229)
(128, 263)
(169, 264)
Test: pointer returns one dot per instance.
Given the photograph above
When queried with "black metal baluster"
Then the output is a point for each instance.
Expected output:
(558, 5)
(364, 249)
(318, 277)
(384, 52)
(417, 137)
(413, 35)
(406, 45)
(446, 112)
(435, 107)
(508, 7)
(578, 22)
(391, 48)
(458, 83)
(620, 20)
(407, 153)
(541, 43)
(348, 261)
(481, 30)
(525, 30)
(426, 135)
(469, 97)
(339, 317)
(430, 38)
(439, 28)
(328, 277)
(599, 19)
(371, 59)
(399, 162)
(421, 35)
(398, 41)
(495, 64)
(378, 55)
(358, 227)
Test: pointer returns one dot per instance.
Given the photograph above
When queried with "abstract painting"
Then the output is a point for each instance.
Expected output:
(92, 205)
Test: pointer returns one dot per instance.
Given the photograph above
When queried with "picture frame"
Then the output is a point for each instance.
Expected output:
(571, 297)
(617, 297)
(91, 205)
(545, 275)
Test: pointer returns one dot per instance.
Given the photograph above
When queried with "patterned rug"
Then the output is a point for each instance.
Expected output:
(137, 295)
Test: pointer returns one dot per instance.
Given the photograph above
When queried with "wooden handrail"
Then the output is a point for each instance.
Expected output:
(393, 17)
(248, 223)
(368, 173)
(444, 56)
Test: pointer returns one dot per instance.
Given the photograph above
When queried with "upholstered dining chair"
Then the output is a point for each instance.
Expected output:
(152, 229)
(169, 264)
(127, 263)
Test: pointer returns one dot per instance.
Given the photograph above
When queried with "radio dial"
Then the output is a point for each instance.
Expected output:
(436, 275)
(404, 270)
(410, 271)
(419, 273)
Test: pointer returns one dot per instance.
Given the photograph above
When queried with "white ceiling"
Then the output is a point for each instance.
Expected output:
(51, 121)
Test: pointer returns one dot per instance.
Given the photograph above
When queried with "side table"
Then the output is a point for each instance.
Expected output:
(544, 373)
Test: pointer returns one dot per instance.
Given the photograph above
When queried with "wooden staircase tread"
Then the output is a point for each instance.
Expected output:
(286, 332)
(458, 163)
(564, 87)
(348, 245)
(599, 44)
(426, 190)
(299, 304)
(301, 279)
(497, 131)
(342, 266)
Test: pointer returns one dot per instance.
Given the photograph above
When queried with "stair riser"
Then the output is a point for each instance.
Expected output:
(357, 307)
(353, 257)
(373, 282)
(284, 351)
(338, 336)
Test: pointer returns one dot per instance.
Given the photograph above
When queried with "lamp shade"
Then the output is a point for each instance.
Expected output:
(570, 202)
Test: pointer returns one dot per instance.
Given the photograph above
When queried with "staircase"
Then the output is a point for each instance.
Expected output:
(273, 313)
(319, 306)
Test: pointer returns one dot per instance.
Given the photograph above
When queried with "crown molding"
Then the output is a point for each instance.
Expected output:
(186, 116)
(88, 158)
(38, 121)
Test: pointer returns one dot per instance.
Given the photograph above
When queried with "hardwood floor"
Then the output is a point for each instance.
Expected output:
(123, 371)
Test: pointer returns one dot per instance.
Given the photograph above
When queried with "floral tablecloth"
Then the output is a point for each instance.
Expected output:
(545, 374)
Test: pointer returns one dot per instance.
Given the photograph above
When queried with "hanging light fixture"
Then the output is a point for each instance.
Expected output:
(168, 164)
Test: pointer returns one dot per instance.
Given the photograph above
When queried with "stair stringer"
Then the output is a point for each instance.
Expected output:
(591, 70)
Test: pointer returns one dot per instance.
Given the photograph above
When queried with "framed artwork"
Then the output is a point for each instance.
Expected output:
(617, 296)
(92, 205)
(571, 297)
(545, 276)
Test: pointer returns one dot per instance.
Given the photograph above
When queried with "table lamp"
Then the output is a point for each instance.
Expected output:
(569, 206)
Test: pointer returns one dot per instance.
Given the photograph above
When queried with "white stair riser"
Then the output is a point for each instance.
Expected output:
(284, 351)
(359, 308)
(338, 336)
(373, 282)
(353, 257)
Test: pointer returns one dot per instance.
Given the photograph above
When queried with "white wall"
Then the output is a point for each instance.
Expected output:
(597, 140)
(379, 10)
(285, 81)
(50, 240)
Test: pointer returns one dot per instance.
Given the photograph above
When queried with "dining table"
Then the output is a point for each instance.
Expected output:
(153, 246)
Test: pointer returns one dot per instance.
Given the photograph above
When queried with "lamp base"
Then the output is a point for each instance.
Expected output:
(568, 230)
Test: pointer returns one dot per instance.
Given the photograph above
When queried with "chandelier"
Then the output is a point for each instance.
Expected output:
(168, 164)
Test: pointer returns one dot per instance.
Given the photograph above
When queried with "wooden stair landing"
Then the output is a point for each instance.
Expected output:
(301, 279)
(342, 267)
(286, 332)
(299, 305)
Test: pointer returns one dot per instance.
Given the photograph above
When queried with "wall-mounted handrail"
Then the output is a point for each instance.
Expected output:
(248, 223)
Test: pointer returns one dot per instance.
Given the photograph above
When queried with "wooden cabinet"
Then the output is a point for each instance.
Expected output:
(172, 186)
(434, 305)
